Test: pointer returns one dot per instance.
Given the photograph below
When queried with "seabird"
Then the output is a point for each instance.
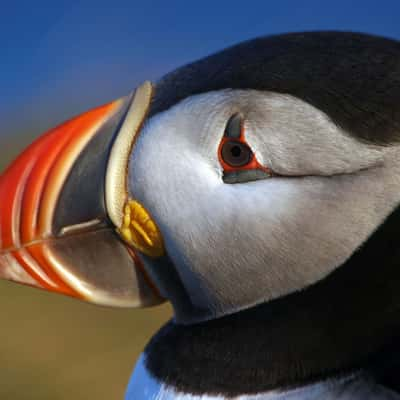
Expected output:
(258, 191)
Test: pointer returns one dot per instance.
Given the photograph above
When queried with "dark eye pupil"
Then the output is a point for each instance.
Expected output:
(236, 150)
(236, 154)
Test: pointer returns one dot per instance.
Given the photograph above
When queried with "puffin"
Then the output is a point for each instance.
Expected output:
(258, 191)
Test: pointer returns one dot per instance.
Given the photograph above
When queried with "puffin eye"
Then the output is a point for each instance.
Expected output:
(236, 154)
(237, 159)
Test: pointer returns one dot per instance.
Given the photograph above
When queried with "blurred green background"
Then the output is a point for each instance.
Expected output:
(58, 59)
(53, 347)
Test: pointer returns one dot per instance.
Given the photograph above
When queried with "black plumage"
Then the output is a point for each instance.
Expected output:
(354, 78)
(348, 321)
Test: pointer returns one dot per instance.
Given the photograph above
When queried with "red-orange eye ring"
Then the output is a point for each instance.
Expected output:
(237, 159)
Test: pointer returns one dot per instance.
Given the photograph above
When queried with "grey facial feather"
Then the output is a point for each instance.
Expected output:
(237, 245)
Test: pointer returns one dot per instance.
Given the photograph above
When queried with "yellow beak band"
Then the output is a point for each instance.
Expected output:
(140, 231)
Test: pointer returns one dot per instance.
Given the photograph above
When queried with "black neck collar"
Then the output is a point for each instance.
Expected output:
(339, 324)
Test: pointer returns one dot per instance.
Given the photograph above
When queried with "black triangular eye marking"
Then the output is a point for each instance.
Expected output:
(233, 128)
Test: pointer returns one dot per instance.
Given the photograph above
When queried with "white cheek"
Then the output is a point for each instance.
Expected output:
(238, 245)
(234, 246)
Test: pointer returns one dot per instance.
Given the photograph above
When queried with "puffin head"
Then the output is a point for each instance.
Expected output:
(243, 178)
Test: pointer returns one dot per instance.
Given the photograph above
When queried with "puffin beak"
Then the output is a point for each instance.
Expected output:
(67, 223)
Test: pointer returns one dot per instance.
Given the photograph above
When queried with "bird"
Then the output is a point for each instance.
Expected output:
(258, 191)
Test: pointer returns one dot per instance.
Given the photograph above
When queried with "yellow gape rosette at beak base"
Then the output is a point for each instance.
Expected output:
(133, 222)
(140, 231)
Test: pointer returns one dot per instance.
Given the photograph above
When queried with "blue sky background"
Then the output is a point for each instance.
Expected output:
(59, 58)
